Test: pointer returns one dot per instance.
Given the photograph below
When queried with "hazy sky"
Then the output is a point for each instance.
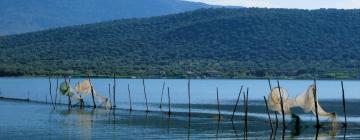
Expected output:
(303, 4)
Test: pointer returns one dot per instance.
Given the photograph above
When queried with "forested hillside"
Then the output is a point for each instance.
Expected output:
(222, 43)
(19, 16)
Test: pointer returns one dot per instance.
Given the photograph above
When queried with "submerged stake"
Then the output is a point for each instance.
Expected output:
(189, 97)
(147, 108)
(218, 104)
(52, 102)
(269, 84)
(162, 93)
(129, 97)
(110, 94)
(246, 99)
(57, 88)
(114, 92)
(267, 109)
(316, 106)
(92, 93)
(282, 105)
(169, 101)
(237, 101)
(344, 103)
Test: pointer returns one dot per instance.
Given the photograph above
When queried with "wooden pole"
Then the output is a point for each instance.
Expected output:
(110, 95)
(269, 84)
(129, 98)
(114, 92)
(146, 103)
(218, 104)
(189, 98)
(57, 88)
(169, 112)
(316, 106)
(162, 93)
(52, 102)
(69, 99)
(237, 101)
(276, 118)
(282, 104)
(60, 99)
(344, 103)
(92, 93)
(246, 112)
(267, 109)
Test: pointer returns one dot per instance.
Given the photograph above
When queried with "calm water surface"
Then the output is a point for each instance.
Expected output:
(39, 120)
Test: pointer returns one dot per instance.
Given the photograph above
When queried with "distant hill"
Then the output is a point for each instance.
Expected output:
(19, 16)
(222, 43)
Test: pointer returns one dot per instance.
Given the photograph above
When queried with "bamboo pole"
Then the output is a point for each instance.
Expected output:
(147, 108)
(237, 101)
(343, 102)
(162, 93)
(267, 109)
(282, 104)
(114, 92)
(169, 112)
(130, 106)
(52, 102)
(316, 105)
(189, 98)
(218, 104)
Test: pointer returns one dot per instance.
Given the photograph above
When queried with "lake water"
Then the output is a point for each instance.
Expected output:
(39, 120)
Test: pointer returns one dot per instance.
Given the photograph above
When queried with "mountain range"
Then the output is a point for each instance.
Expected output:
(215, 42)
(20, 16)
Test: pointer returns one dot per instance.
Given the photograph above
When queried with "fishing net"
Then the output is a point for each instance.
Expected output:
(103, 101)
(65, 89)
(307, 103)
(274, 100)
(304, 101)
(83, 87)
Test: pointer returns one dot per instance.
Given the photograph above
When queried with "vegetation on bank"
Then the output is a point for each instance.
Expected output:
(207, 43)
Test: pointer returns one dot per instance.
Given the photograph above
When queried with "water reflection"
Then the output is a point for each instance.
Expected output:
(87, 123)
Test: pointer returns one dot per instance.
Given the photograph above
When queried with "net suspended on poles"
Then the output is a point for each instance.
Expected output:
(274, 100)
(304, 101)
(67, 90)
(83, 89)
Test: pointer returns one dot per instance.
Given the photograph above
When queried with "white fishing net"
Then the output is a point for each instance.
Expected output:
(274, 100)
(304, 100)
(83, 90)
(103, 101)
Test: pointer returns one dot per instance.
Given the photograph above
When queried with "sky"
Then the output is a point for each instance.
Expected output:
(300, 4)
